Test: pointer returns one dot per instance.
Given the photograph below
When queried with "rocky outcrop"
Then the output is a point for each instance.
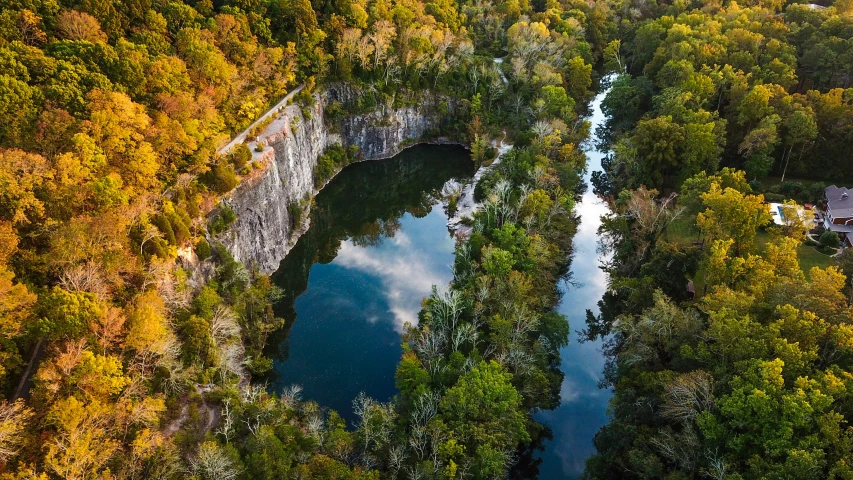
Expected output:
(283, 181)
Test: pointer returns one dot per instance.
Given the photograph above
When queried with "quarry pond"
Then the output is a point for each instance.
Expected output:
(377, 243)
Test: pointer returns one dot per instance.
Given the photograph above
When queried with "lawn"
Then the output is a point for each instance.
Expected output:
(768, 182)
(809, 256)
(683, 231)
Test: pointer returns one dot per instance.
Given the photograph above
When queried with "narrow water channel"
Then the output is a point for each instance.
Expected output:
(583, 408)
(377, 243)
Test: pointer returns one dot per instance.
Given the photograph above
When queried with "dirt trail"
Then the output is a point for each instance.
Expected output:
(211, 414)
(23, 390)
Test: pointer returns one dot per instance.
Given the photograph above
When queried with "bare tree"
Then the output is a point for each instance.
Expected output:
(688, 395)
(86, 277)
(396, 459)
(475, 75)
(226, 427)
(425, 407)
(418, 441)
(348, 46)
(717, 466)
(13, 417)
(223, 325)
(211, 463)
(291, 394)
(465, 333)
(430, 345)
(681, 447)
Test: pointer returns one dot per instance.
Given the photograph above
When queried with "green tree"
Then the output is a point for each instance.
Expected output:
(658, 143)
(18, 109)
(207, 64)
(829, 239)
(67, 314)
(485, 408)
(802, 128)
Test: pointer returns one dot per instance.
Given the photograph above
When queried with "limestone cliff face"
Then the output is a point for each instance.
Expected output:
(264, 230)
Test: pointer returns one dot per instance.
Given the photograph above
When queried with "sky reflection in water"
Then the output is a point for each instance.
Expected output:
(347, 335)
(584, 406)
(406, 265)
(377, 244)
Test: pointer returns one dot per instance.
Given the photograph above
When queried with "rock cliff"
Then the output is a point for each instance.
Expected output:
(264, 230)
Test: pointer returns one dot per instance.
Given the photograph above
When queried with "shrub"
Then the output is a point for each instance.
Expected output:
(294, 208)
(197, 344)
(240, 156)
(184, 216)
(304, 98)
(221, 220)
(815, 192)
(162, 223)
(228, 214)
(232, 277)
(259, 147)
(490, 153)
(180, 229)
(755, 185)
(830, 239)
(260, 364)
(259, 128)
(187, 200)
(791, 189)
(221, 178)
(334, 158)
(202, 249)
(334, 111)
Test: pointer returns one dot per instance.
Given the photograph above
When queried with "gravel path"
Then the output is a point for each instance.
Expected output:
(241, 137)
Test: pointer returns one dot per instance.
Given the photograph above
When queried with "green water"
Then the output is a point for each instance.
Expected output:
(378, 241)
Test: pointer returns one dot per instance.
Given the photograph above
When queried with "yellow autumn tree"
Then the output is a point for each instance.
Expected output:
(733, 215)
(25, 181)
(82, 443)
(118, 126)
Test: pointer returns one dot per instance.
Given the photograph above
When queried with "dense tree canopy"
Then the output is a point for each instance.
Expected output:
(112, 115)
(744, 380)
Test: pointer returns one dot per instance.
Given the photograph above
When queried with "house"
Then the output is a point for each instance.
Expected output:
(839, 213)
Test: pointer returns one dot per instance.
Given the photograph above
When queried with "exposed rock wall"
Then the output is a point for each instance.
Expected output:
(263, 232)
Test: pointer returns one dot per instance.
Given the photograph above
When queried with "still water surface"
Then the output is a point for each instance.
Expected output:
(377, 243)
(583, 408)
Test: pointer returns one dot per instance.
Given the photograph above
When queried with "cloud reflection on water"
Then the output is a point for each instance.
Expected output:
(406, 264)
(583, 406)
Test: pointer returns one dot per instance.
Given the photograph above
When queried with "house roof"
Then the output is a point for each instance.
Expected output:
(839, 200)
(840, 228)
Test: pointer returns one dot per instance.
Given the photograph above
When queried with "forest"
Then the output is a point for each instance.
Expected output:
(118, 363)
(716, 109)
